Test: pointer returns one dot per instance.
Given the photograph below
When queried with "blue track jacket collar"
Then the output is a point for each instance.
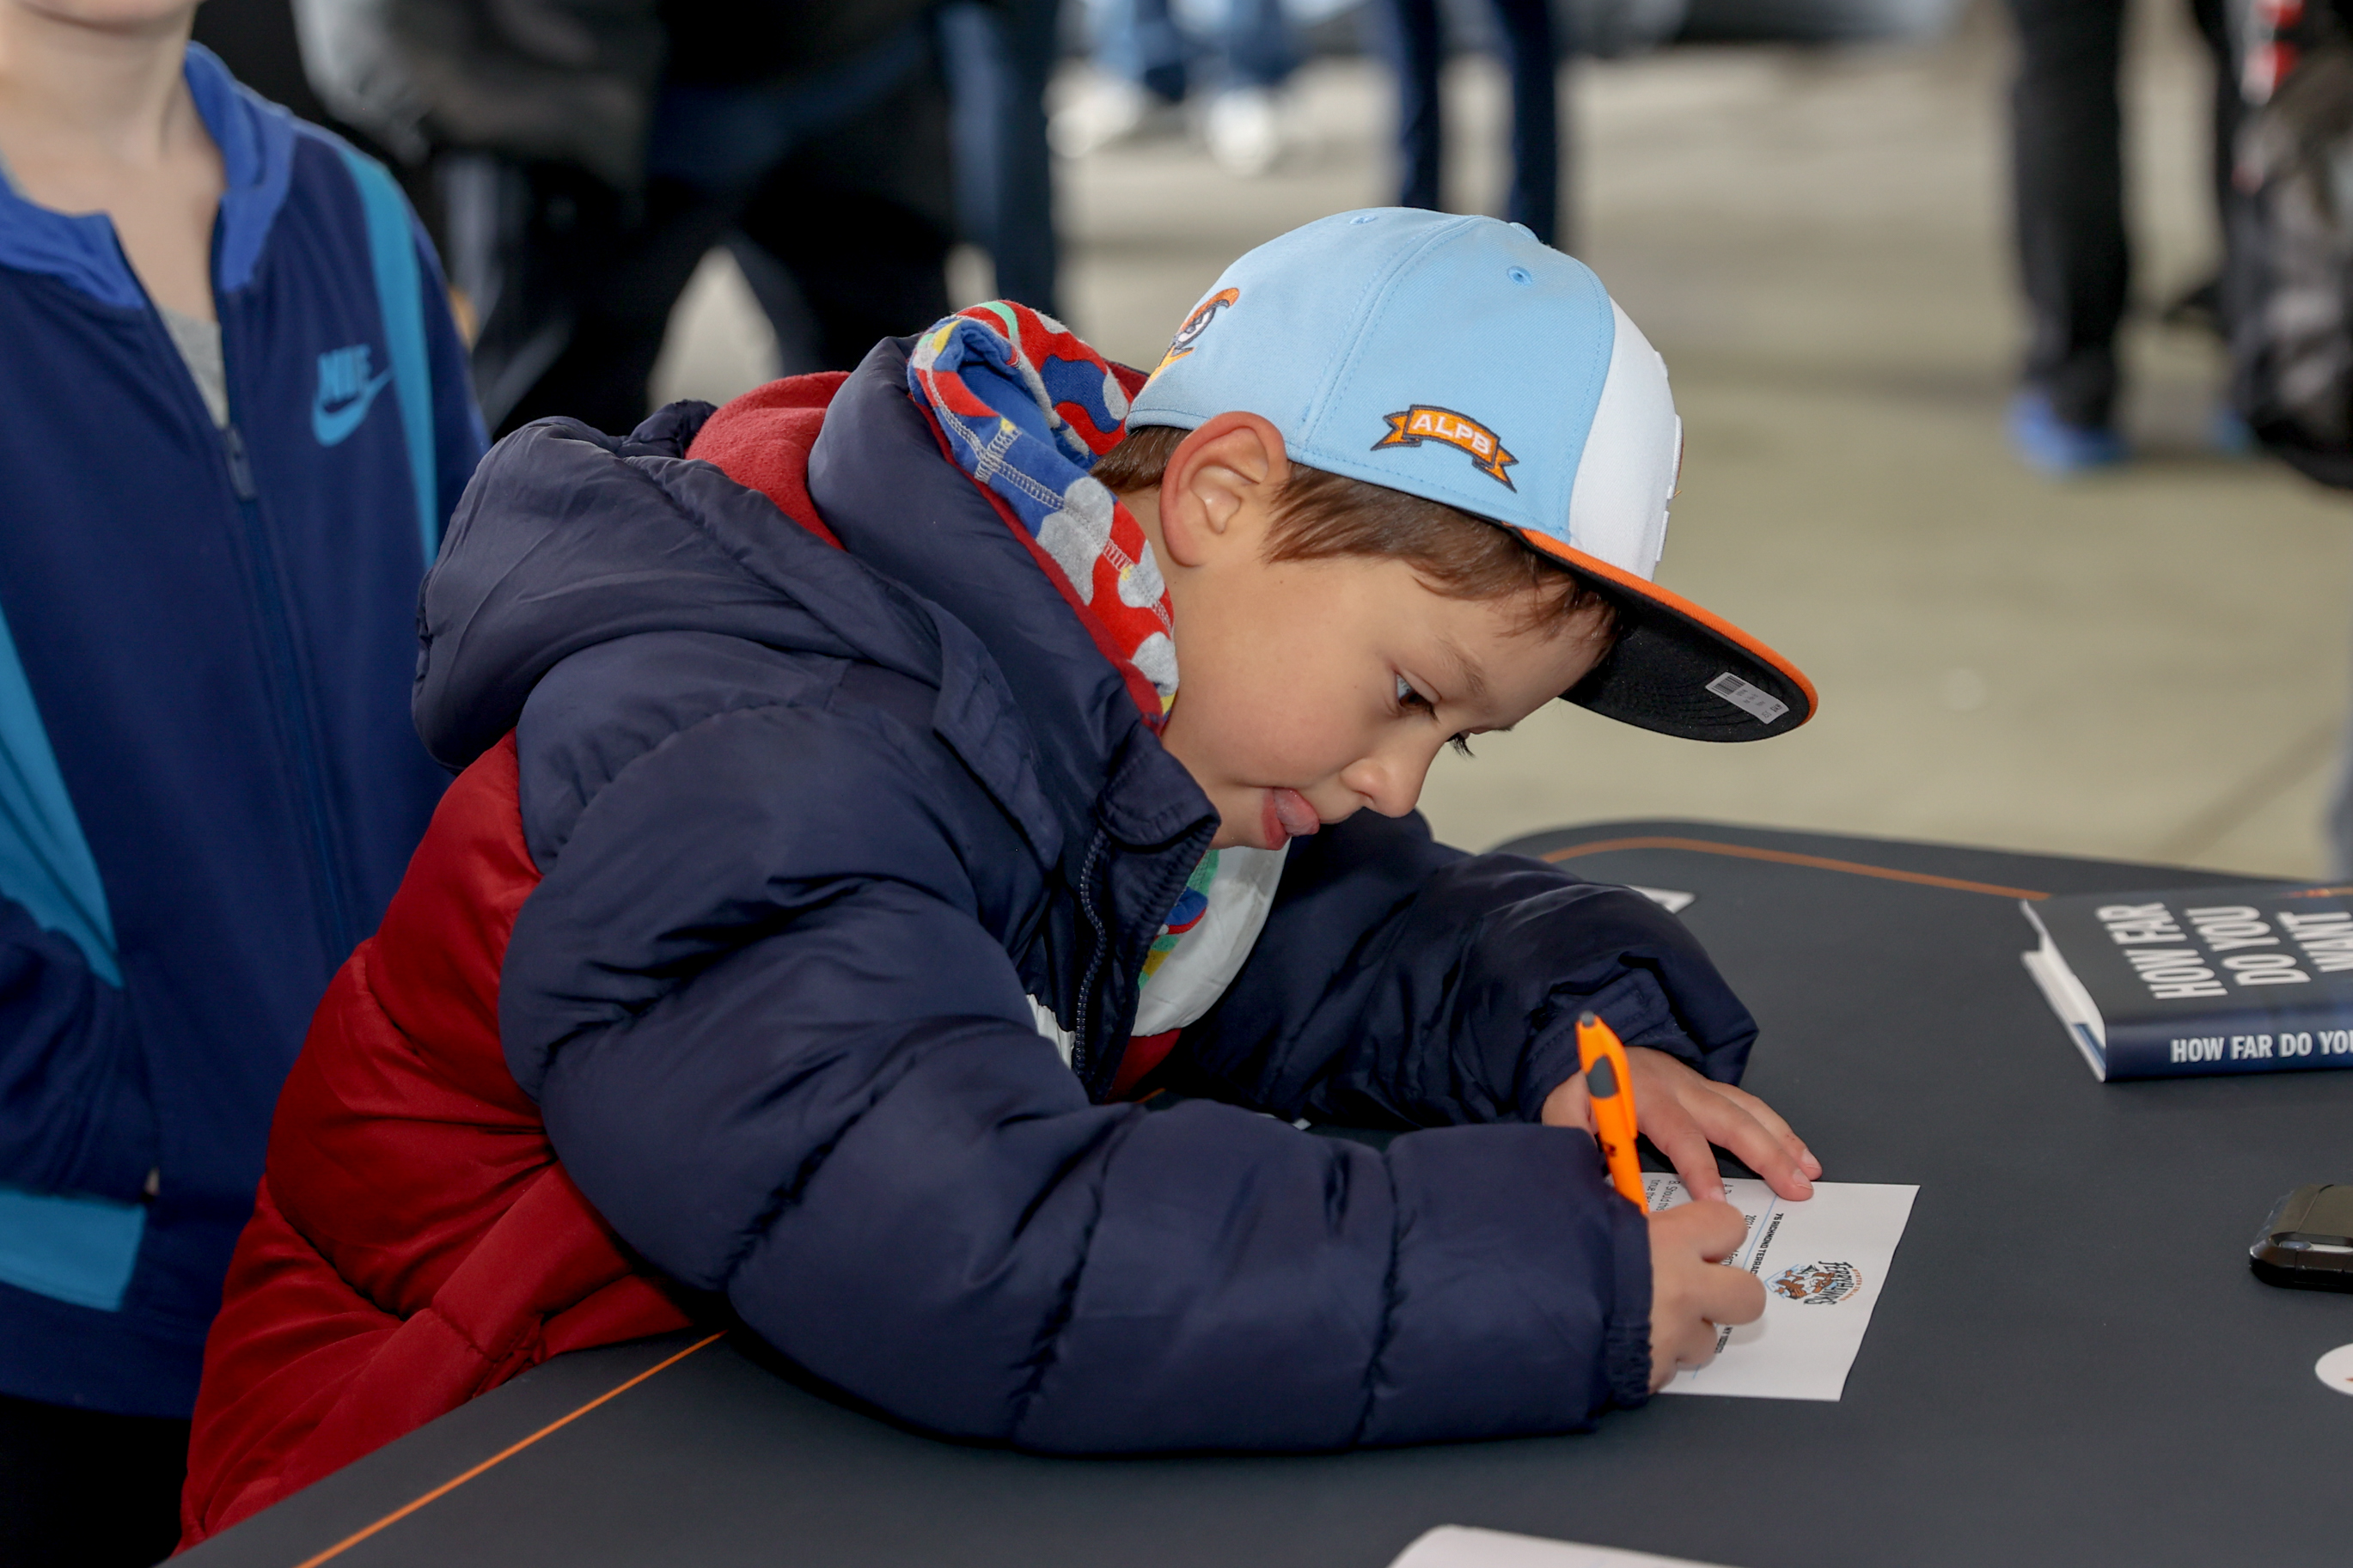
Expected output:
(256, 148)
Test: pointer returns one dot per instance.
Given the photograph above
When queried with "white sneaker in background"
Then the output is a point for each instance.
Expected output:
(1244, 130)
(1107, 110)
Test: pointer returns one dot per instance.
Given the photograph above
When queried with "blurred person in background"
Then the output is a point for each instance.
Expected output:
(258, 41)
(589, 153)
(1410, 34)
(233, 416)
(1149, 54)
(999, 58)
(2073, 260)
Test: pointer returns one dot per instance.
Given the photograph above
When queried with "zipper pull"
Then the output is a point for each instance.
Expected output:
(241, 468)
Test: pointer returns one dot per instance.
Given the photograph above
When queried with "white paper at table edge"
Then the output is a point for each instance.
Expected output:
(1466, 1546)
(1740, 1259)
(1667, 899)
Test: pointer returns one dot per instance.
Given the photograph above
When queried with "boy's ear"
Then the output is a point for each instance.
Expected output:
(1212, 479)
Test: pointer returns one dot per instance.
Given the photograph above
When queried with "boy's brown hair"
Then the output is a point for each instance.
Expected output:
(1324, 516)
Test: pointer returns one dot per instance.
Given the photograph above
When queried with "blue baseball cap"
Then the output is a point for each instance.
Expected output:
(1462, 360)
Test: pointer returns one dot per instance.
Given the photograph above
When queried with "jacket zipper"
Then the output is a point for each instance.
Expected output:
(334, 916)
(327, 884)
(1079, 1054)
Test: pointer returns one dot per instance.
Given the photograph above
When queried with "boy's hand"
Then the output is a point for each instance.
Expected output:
(1683, 1114)
(1692, 1292)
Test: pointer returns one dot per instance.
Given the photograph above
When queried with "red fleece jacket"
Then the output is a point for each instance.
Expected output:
(415, 1241)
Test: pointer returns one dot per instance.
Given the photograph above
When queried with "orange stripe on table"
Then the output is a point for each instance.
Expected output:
(1787, 857)
(454, 1482)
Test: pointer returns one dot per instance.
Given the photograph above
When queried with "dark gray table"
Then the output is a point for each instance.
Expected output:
(2071, 1364)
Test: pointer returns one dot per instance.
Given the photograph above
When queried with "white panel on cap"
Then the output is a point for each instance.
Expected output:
(1617, 508)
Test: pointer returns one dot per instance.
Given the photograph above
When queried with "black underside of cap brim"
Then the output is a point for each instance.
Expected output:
(1658, 677)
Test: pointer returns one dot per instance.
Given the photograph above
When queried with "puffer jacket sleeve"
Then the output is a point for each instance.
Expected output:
(1399, 981)
(777, 1046)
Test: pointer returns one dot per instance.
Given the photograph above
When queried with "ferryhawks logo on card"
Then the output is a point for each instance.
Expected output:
(1425, 422)
(345, 392)
(1817, 1284)
(1195, 325)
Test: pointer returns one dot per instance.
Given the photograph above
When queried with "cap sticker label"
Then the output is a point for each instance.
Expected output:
(1758, 704)
(1425, 422)
(1195, 325)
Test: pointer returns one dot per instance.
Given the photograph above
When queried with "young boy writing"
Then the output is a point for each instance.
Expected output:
(857, 816)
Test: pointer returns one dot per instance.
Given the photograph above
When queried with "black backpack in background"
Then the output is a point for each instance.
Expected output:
(2288, 289)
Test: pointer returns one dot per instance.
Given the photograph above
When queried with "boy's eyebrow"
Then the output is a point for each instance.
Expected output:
(1474, 679)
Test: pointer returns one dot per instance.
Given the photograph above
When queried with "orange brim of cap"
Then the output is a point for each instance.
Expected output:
(1680, 670)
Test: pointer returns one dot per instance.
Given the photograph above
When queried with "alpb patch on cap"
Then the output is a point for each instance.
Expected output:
(1427, 422)
(1195, 325)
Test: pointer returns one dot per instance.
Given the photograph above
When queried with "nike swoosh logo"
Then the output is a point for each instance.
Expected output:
(332, 425)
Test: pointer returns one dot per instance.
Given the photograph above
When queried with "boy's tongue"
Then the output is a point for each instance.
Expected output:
(1288, 816)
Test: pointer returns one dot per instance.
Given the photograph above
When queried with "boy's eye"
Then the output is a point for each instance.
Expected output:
(1410, 700)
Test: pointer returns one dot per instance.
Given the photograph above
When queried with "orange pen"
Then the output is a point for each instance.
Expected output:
(1609, 1086)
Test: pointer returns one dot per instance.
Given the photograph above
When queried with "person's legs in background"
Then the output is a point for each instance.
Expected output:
(1406, 33)
(861, 214)
(1139, 41)
(1141, 58)
(2214, 25)
(1243, 124)
(575, 282)
(2210, 303)
(841, 175)
(79, 1489)
(2067, 175)
(1145, 60)
(1532, 60)
(998, 59)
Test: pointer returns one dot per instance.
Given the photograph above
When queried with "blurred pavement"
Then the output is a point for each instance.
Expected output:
(2150, 665)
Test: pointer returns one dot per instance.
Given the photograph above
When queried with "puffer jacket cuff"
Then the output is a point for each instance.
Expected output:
(1507, 1284)
(1626, 1338)
(1632, 1004)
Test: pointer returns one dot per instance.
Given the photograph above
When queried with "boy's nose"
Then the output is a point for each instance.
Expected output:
(1390, 780)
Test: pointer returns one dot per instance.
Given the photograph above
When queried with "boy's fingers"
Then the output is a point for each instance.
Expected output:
(1691, 1292)
(1686, 1144)
(1567, 1106)
(1691, 1343)
(1710, 1226)
(1775, 1123)
(1771, 1119)
(1730, 1124)
(1693, 1346)
(1732, 1296)
(1690, 1347)
(1676, 1101)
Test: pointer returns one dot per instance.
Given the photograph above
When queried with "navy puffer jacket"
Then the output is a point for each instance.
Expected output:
(815, 823)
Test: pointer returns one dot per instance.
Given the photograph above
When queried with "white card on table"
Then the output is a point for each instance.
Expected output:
(1460, 1546)
(1823, 1262)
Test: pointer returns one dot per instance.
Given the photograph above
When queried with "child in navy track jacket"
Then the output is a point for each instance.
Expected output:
(872, 788)
(234, 419)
